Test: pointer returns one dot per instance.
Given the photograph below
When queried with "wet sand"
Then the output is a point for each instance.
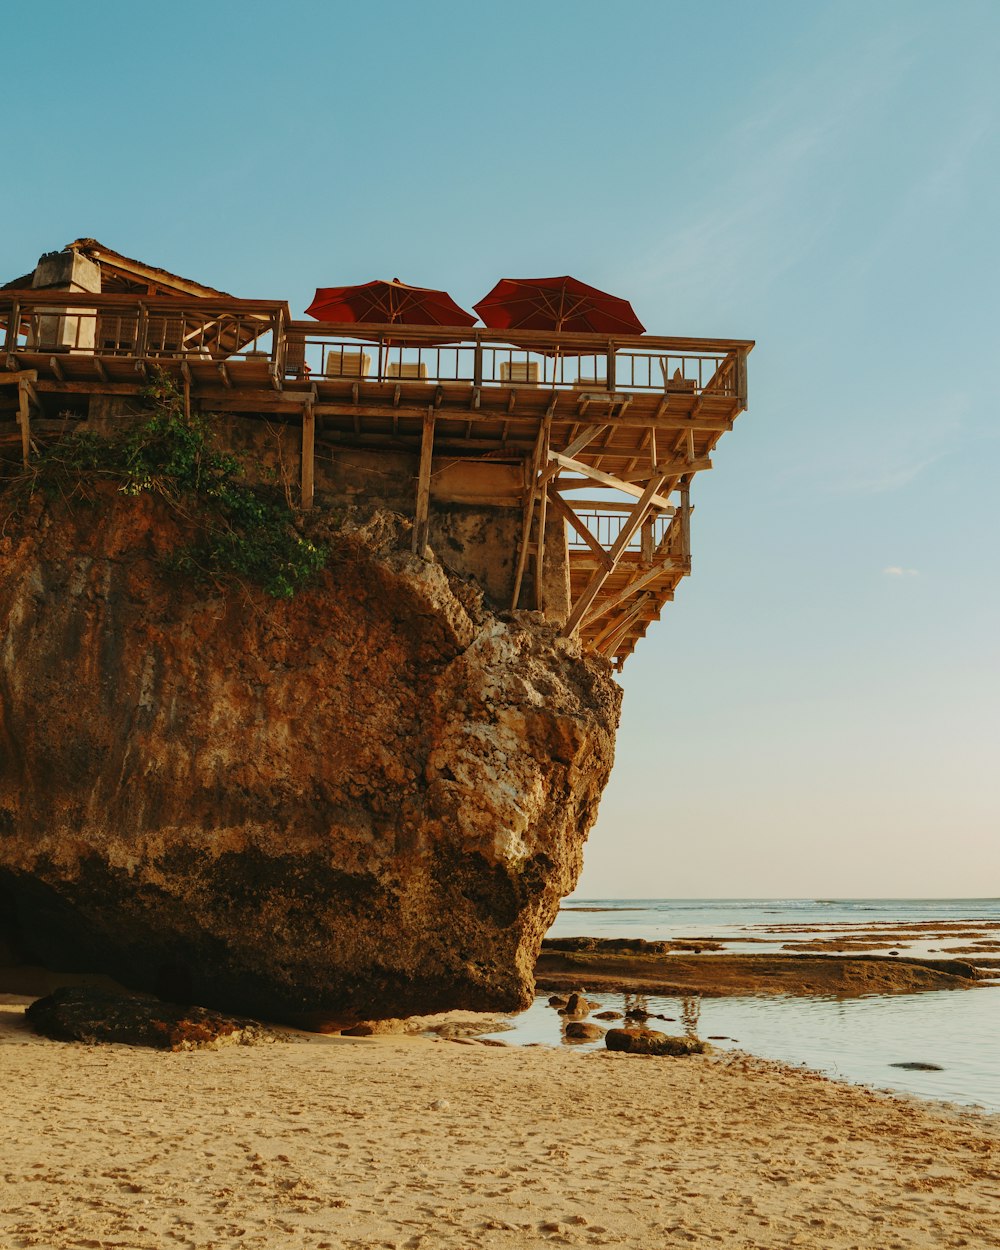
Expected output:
(414, 1145)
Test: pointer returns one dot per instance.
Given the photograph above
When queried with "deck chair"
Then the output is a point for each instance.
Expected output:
(519, 371)
(406, 369)
(341, 364)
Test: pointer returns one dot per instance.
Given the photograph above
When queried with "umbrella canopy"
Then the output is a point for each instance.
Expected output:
(556, 304)
(393, 303)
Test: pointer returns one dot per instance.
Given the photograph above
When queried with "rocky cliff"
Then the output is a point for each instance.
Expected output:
(366, 800)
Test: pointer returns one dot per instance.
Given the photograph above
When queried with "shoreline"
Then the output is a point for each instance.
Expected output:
(416, 1144)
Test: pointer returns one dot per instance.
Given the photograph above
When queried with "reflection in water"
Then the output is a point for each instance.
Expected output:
(636, 1006)
(854, 1039)
(691, 1014)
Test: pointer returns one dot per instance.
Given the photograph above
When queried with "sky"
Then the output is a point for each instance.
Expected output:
(818, 712)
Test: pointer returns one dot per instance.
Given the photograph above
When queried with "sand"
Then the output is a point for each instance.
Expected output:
(394, 1142)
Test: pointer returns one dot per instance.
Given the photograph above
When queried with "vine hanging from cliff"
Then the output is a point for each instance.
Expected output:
(244, 530)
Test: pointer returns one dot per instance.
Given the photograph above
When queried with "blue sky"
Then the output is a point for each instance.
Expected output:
(817, 713)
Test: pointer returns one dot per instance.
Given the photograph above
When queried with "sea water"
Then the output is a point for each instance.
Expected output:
(853, 1039)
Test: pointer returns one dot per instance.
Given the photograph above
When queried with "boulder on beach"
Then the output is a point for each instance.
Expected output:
(650, 1042)
(87, 1014)
(364, 800)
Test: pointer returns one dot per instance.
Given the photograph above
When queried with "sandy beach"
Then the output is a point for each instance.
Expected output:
(406, 1143)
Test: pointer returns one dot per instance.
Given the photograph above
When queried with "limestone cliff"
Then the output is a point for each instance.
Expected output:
(366, 800)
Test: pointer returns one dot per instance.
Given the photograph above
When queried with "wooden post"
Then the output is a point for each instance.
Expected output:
(25, 421)
(13, 328)
(530, 492)
(648, 527)
(685, 494)
(308, 454)
(540, 544)
(142, 331)
(741, 375)
(419, 542)
(611, 367)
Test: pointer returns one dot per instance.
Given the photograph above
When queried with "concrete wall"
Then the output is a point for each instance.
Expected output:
(54, 329)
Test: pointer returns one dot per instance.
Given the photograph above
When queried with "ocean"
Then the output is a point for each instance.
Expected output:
(852, 1039)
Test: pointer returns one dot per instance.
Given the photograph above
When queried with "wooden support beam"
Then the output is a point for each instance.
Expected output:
(603, 505)
(420, 520)
(600, 576)
(633, 587)
(543, 499)
(685, 515)
(23, 416)
(308, 455)
(15, 379)
(611, 638)
(56, 367)
(569, 516)
(608, 479)
(615, 627)
(575, 446)
(672, 468)
(99, 369)
(227, 381)
(531, 490)
(648, 526)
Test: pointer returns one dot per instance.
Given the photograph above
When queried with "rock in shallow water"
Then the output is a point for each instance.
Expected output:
(364, 801)
(583, 1031)
(651, 1042)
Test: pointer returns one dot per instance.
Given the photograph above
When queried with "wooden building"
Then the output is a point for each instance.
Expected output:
(555, 468)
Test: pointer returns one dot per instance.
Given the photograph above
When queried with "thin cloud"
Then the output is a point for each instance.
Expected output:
(897, 570)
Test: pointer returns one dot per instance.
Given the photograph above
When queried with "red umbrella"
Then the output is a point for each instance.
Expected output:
(388, 303)
(556, 304)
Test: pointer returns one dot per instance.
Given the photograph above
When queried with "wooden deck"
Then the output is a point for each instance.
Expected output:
(626, 423)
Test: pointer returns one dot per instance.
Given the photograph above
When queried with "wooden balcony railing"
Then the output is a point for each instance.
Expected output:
(482, 357)
(151, 329)
(159, 329)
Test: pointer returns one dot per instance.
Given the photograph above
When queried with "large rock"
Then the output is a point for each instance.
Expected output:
(364, 801)
(95, 1015)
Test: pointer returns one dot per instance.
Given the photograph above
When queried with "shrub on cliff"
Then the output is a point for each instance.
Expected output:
(244, 530)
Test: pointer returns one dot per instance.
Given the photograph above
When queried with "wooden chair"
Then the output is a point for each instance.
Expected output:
(406, 369)
(523, 372)
(341, 364)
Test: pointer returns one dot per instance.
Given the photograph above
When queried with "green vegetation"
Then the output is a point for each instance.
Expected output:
(245, 531)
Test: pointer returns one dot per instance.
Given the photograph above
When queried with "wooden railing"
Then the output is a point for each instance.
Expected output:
(158, 329)
(148, 329)
(482, 357)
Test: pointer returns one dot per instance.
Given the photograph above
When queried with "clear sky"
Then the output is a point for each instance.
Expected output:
(818, 713)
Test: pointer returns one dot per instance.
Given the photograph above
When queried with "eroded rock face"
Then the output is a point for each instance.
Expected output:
(364, 801)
